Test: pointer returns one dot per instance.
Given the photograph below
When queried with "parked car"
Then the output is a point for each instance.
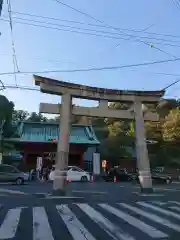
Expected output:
(158, 178)
(161, 178)
(120, 174)
(73, 174)
(9, 173)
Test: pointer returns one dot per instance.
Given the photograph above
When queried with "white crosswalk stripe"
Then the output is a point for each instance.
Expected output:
(92, 221)
(114, 231)
(75, 227)
(175, 208)
(41, 227)
(152, 232)
(10, 223)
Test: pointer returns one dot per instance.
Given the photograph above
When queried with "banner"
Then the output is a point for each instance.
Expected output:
(96, 163)
(39, 163)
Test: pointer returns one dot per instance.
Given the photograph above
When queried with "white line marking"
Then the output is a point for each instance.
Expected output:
(167, 189)
(61, 197)
(91, 192)
(175, 202)
(75, 227)
(176, 182)
(149, 195)
(149, 230)
(159, 203)
(166, 212)
(152, 217)
(10, 223)
(112, 230)
(41, 227)
(175, 208)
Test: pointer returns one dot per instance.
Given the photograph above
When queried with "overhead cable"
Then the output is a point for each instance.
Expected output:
(177, 4)
(20, 87)
(94, 30)
(15, 64)
(86, 33)
(94, 25)
(95, 68)
(171, 84)
(115, 28)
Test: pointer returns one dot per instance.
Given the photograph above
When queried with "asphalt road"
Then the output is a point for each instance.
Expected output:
(98, 211)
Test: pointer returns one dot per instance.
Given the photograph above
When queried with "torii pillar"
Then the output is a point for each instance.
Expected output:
(143, 163)
(63, 145)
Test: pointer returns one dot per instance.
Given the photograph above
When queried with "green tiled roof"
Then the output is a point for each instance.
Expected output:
(41, 132)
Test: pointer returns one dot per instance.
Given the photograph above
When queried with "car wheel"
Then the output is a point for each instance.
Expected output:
(19, 181)
(84, 179)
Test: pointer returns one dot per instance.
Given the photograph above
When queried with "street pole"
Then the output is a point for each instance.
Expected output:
(59, 184)
(1, 133)
(1, 3)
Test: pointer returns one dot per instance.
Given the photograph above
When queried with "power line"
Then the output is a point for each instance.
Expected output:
(171, 84)
(75, 63)
(20, 87)
(95, 68)
(65, 30)
(87, 33)
(15, 64)
(176, 3)
(115, 28)
(94, 30)
(95, 25)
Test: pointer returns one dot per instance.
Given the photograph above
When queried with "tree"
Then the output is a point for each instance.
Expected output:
(171, 126)
(113, 149)
(100, 128)
(166, 105)
(117, 127)
(19, 116)
(6, 110)
(36, 117)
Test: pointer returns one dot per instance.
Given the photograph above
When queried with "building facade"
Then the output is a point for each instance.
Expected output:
(40, 140)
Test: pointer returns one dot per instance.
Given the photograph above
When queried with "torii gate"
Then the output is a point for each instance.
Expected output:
(65, 109)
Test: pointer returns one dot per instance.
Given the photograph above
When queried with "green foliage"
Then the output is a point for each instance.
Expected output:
(114, 135)
(113, 149)
(100, 128)
(171, 126)
(36, 117)
(7, 147)
(19, 116)
(6, 110)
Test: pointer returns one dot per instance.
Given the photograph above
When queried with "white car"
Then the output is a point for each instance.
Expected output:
(73, 174)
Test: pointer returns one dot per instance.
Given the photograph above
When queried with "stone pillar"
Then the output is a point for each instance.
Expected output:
(141, 150)
(63, 146)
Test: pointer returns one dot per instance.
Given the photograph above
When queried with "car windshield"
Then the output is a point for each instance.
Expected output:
(75, 169)
(15, 170)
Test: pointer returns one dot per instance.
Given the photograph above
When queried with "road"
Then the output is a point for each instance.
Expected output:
(99, 211)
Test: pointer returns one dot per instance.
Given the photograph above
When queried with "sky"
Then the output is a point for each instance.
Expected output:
(45, 49)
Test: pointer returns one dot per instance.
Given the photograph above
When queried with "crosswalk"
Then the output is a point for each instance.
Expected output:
(92, 221)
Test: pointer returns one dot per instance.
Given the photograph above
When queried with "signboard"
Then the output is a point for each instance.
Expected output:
(1, 156)
(104, 163)
(96, 163)
(39, 163)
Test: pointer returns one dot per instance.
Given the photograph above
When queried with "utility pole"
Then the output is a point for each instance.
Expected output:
(1, 134)
(1, 3)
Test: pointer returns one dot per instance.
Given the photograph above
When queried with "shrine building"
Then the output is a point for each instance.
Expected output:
(39, 139)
